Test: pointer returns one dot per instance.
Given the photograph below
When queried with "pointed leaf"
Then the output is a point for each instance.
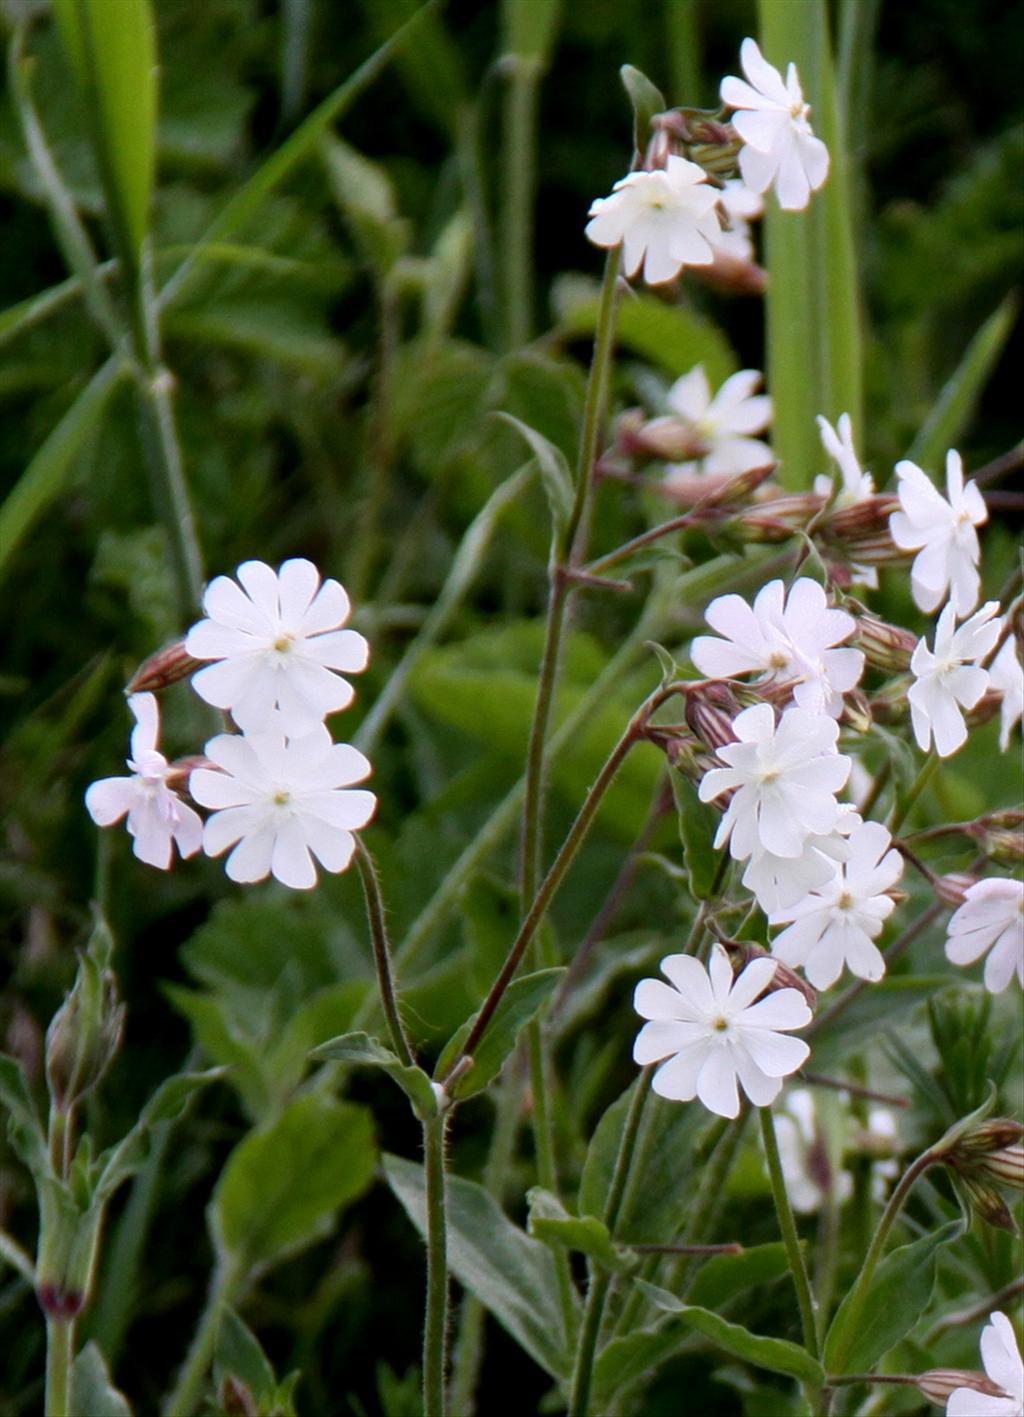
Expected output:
(866, 1327)
(554, 470)
(239, 1355)
(722, 1277)
(521, 1000)
(360, 1048)
(512, 1275)
(284, 1183)
(776, 1355)
(647, 100)
(92, 1389)
(698, 822)
(550, 1221)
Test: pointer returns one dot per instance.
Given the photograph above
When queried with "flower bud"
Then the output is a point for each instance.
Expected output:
(162, 669)
(856, 714)
(732, 275)
(992, 1151)
(1001, 836)
(776, 520)
(710, 710)
(886, 647)
(671, 439)
(863, 529)
(84, 1034)
(951, 889)
(712, 489)
(938, 1384)
(986, 1202)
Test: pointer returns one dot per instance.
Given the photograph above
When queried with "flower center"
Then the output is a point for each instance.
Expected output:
(283, 643)
(720, 1025)
(845, 901)
(281, 797)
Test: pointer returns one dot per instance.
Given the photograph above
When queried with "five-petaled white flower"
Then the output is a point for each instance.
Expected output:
(942, 532)
(1007, 678)
(779, 145)
(837, 923)
(719, 428)
(277, 640)
(712, 1032)
(783, 780)
(991, 918)
(783, 638)
(157, 817)
(739, 206)
(275, 800)
(1001, 1357)
(665, 220)
(950, 678)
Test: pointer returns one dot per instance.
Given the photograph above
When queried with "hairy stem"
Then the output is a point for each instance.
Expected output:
(435, 1326)
(382, 952)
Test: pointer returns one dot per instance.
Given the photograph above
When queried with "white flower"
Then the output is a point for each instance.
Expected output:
(277, 640)
(780, 881)
(778, 144)
(857, 485)
(991, 918)
(665, 220)
(720, 426)
(1006, 676)
(837, 923)
(785, 781)
(156, 815)
(712, 1032)
(950, 678)
(739, 206)
(1002, 1360)
(944, 530)
(783, 638)
(279, 800)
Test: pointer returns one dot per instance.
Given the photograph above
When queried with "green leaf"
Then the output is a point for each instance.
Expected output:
(672, 337)
(512, 1275)
(951, 415)
(239, 1355)
(284, 1183)
(814, 341)
(521, 1000)
(47, 472)
(366, 196)
(647, 100)
(698, 823)
(26, 1128)
(92, 1389)
(113, 51)
(362, 1049)
(632, 1357)
(865, 1328)
(554, 470)
(776, 1355)
(722, 1277)
(171, 1098)
(550, 1221)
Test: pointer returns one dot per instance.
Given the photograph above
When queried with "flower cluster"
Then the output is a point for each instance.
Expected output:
(670, 215)
(281, 794)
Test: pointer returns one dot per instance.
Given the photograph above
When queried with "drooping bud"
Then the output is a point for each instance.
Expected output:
(986, 1202)
(732, 275)
(939, 1384)
(862, 530)
(1000, 835)
(887, 647)
(705, 490)
(987, 1154)
(85, 1032)
(776, 520)
(167, 666)
(856, 714)
(952, 889)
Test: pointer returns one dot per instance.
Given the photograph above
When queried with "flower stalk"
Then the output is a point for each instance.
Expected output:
(435, 1327)
(787, 1225)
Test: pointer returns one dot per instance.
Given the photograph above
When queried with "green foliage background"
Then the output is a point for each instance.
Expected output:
(371, 250)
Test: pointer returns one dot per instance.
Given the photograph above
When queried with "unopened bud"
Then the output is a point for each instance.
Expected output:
(671, 439)
(952, 889)
(939, 1384)
(710, 710)
(862, 528)
(179, 772)
(1001, 836)
(776, 520)
(732, 275)
(887, 647)
(992, 1151)
(84, 1034)
(712, 489)
(856, 713)
(162, 669)
(986, 1202)
(987, 707)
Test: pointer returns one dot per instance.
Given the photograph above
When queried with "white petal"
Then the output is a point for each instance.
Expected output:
(298, 581)
(776, 1054)
(662, 1037)
(228, 605)
(346, 650)
(225, 828)
(677, 1079)
(261, 584)
(110, 798)
(250, 860)
(146, 732)
(290, 860)
(716, 1084)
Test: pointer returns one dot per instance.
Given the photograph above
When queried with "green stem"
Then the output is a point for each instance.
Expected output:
(594, 408)
(532, 848)
(520, 165)
(566, 855)
(60, 1354)
(906, 802)
(787, 1225)
(188, 1389)
(382, 952)
(600, 1279)
(435, 1327)
(859, 1293)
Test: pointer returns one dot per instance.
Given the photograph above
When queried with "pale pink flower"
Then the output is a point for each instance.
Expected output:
(991, 920)
(720, 427)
